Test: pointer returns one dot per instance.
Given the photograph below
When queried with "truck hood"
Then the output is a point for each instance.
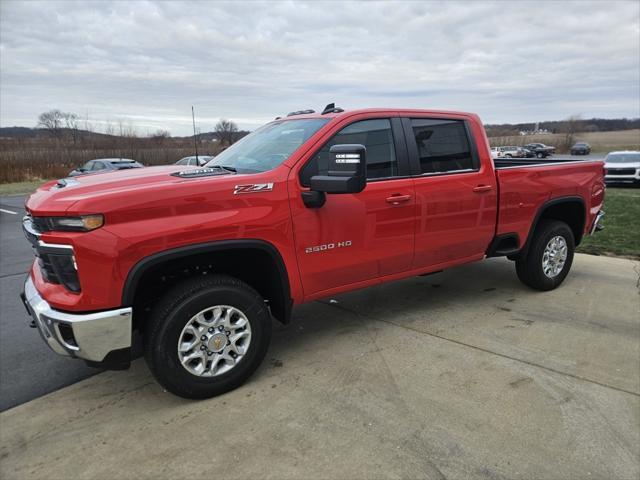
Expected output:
(56, 197)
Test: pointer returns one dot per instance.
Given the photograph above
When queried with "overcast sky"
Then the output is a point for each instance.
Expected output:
(146, 63)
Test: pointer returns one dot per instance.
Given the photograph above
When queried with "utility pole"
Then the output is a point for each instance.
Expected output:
(195, 137)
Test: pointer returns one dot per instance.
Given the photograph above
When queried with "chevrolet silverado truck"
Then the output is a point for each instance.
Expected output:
(196, 261)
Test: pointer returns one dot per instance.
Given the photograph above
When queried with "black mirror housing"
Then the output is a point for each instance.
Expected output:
(346, 173)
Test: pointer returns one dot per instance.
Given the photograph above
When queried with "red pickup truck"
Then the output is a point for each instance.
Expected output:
(197, 260)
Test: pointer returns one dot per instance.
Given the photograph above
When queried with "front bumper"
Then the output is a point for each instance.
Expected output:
(622, 178)
(99, 338)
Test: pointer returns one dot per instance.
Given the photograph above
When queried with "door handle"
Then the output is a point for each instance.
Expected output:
(482, 188)
(398, 199)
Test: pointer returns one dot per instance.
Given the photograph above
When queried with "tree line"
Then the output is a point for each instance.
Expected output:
(570, 125)
(61, 125)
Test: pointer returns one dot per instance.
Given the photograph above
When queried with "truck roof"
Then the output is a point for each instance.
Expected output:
(348, 113)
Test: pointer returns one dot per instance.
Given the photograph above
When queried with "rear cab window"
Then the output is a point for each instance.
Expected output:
(441, 145)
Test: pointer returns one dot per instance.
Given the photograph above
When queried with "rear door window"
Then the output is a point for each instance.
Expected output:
(442, 145)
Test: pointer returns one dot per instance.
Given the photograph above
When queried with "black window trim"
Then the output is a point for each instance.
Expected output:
(399, 144)
(412, 148)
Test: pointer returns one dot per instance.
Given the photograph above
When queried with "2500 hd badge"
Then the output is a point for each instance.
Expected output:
(327, 246)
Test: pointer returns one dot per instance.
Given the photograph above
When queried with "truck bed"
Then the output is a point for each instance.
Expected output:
(527, 185)
(500, 163)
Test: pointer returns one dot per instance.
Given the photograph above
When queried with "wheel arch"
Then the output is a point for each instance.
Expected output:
(256, 262)
(571, 210)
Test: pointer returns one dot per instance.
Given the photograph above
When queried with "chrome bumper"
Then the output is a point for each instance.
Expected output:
(597, 223)
(90, 336)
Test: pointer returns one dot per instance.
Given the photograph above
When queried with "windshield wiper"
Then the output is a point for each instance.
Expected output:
(225, 167)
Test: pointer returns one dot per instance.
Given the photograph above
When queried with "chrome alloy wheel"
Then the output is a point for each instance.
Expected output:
(214, 341)
(554, 256)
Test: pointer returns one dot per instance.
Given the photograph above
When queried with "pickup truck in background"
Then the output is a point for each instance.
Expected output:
(197, 261)
(540, 150)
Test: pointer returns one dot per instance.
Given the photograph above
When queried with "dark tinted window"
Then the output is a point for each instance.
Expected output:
(443, 145)
(375, 135)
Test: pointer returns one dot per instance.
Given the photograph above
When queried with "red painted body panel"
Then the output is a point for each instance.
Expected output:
(362, 239)
(523, 190)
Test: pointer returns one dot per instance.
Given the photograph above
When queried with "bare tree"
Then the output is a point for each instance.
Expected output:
(109, 128)
(52, 121)
(71, 121)
(569, 128)
(160, 136)
(225, 130)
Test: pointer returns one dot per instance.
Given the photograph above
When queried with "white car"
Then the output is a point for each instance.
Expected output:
(623, 167)
(495, 152)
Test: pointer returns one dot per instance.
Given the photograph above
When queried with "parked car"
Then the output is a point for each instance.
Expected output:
(198, 261)
(198, 161)
(623, 167)
(495, 152)
(528, 153)
(105, 165)
(513, 152)
(581, 148)
(540, 149)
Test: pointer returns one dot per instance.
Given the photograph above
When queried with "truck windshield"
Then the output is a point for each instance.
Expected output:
(268, 146)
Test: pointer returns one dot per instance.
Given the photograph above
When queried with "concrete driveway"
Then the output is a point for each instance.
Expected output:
(463, 374)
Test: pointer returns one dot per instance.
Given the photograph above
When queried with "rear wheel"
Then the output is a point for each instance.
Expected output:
(549, 258)
(207, 336)
(540, 155)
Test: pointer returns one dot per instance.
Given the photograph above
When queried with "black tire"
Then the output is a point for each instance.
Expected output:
(177, 307)
(540, 155)
(530, 270)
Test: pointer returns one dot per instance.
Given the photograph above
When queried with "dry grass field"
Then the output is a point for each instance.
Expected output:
(34, 159)
(601, 142)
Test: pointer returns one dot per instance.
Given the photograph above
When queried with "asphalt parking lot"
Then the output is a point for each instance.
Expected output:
(27, 367)
(462, 374)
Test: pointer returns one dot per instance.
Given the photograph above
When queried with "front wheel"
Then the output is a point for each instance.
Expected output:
(549, 258)
(207, 336)
(540, 155)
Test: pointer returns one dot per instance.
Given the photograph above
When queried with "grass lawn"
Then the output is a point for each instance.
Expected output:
(621, 234)
(19, 188)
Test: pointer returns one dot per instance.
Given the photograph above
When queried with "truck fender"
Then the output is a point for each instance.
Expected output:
(283, 305)
(545, 208)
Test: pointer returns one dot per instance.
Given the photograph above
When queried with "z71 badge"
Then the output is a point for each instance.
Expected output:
(253, 188)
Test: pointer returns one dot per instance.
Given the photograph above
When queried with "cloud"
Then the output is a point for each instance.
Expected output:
(146, 63)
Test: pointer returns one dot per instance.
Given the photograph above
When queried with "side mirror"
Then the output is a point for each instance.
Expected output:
(346, 173)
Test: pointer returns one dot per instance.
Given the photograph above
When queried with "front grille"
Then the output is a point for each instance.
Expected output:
(40, 224)
(621, 171)
(46, 267)
(58, 268)
(56, 262)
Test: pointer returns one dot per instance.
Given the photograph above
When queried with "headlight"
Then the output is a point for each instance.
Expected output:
(85, 223)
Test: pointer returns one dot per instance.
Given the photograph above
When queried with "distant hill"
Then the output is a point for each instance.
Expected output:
(210, 136)
(26, 132)
(18, 132)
